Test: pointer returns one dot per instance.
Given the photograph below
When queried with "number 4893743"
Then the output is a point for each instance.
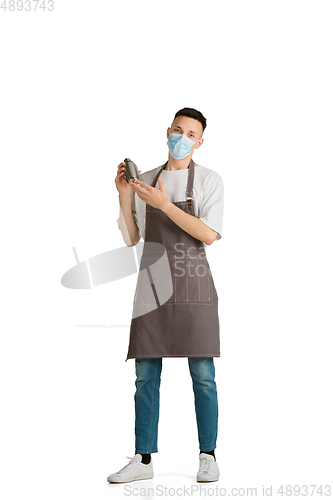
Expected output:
(26, 5)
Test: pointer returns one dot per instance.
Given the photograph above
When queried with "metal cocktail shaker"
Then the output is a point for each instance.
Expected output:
(131, 171)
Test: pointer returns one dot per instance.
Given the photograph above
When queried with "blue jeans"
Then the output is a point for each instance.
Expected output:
(147, 402)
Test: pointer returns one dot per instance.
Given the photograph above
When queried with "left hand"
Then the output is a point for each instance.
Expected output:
(155, 197)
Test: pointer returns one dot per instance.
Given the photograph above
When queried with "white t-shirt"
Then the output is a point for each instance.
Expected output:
(208, 196)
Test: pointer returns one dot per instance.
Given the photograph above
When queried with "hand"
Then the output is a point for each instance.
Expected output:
(121, 184)
(155, 197)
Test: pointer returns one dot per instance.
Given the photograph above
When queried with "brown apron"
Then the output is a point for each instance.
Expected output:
(175, 308)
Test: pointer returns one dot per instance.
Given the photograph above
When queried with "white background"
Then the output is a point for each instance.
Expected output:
(83, 87)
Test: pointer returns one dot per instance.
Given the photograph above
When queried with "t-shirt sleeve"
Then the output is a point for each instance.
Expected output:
(211, 208)
(133, 207)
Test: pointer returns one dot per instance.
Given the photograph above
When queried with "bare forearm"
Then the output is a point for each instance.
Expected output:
(127, 225)
(189, 223)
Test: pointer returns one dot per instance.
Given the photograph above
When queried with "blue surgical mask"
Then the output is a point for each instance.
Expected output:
(179, 145)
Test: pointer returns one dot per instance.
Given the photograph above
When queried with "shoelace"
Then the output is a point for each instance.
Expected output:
(205, 465)
(127, 466)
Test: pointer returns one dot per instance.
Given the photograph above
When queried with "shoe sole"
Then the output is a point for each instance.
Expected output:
(130, 480)
(208, 481)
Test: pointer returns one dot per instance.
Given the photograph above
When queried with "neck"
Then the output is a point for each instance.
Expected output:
(174, 164)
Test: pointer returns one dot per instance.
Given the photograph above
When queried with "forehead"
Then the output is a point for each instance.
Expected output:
(187, 124)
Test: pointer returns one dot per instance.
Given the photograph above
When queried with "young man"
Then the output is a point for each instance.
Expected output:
(177, 207)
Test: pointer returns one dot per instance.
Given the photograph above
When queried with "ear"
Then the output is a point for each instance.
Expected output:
(168, 132)
(199, 143)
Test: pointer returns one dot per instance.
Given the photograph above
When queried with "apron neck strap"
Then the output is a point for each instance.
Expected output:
(190, 179)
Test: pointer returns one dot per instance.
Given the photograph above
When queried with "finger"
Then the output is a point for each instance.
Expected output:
(120, 175)
(143, 184)
(160, 184)
(143, 198)
(118, 178)
(141, 193)
(138, 188)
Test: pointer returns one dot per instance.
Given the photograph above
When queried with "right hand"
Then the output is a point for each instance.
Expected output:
(121, 184)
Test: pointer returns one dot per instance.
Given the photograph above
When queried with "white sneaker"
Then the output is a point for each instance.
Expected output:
(208, 469)
(133, 471)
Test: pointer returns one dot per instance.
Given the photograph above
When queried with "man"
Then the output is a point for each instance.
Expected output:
(181, 216)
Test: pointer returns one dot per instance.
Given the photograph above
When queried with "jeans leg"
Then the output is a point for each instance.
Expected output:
(205, 398)
(147, 402)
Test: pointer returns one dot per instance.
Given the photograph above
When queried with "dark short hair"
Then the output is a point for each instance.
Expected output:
(192, 113)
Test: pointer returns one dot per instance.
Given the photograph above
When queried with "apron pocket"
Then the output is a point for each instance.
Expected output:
(191, 280)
